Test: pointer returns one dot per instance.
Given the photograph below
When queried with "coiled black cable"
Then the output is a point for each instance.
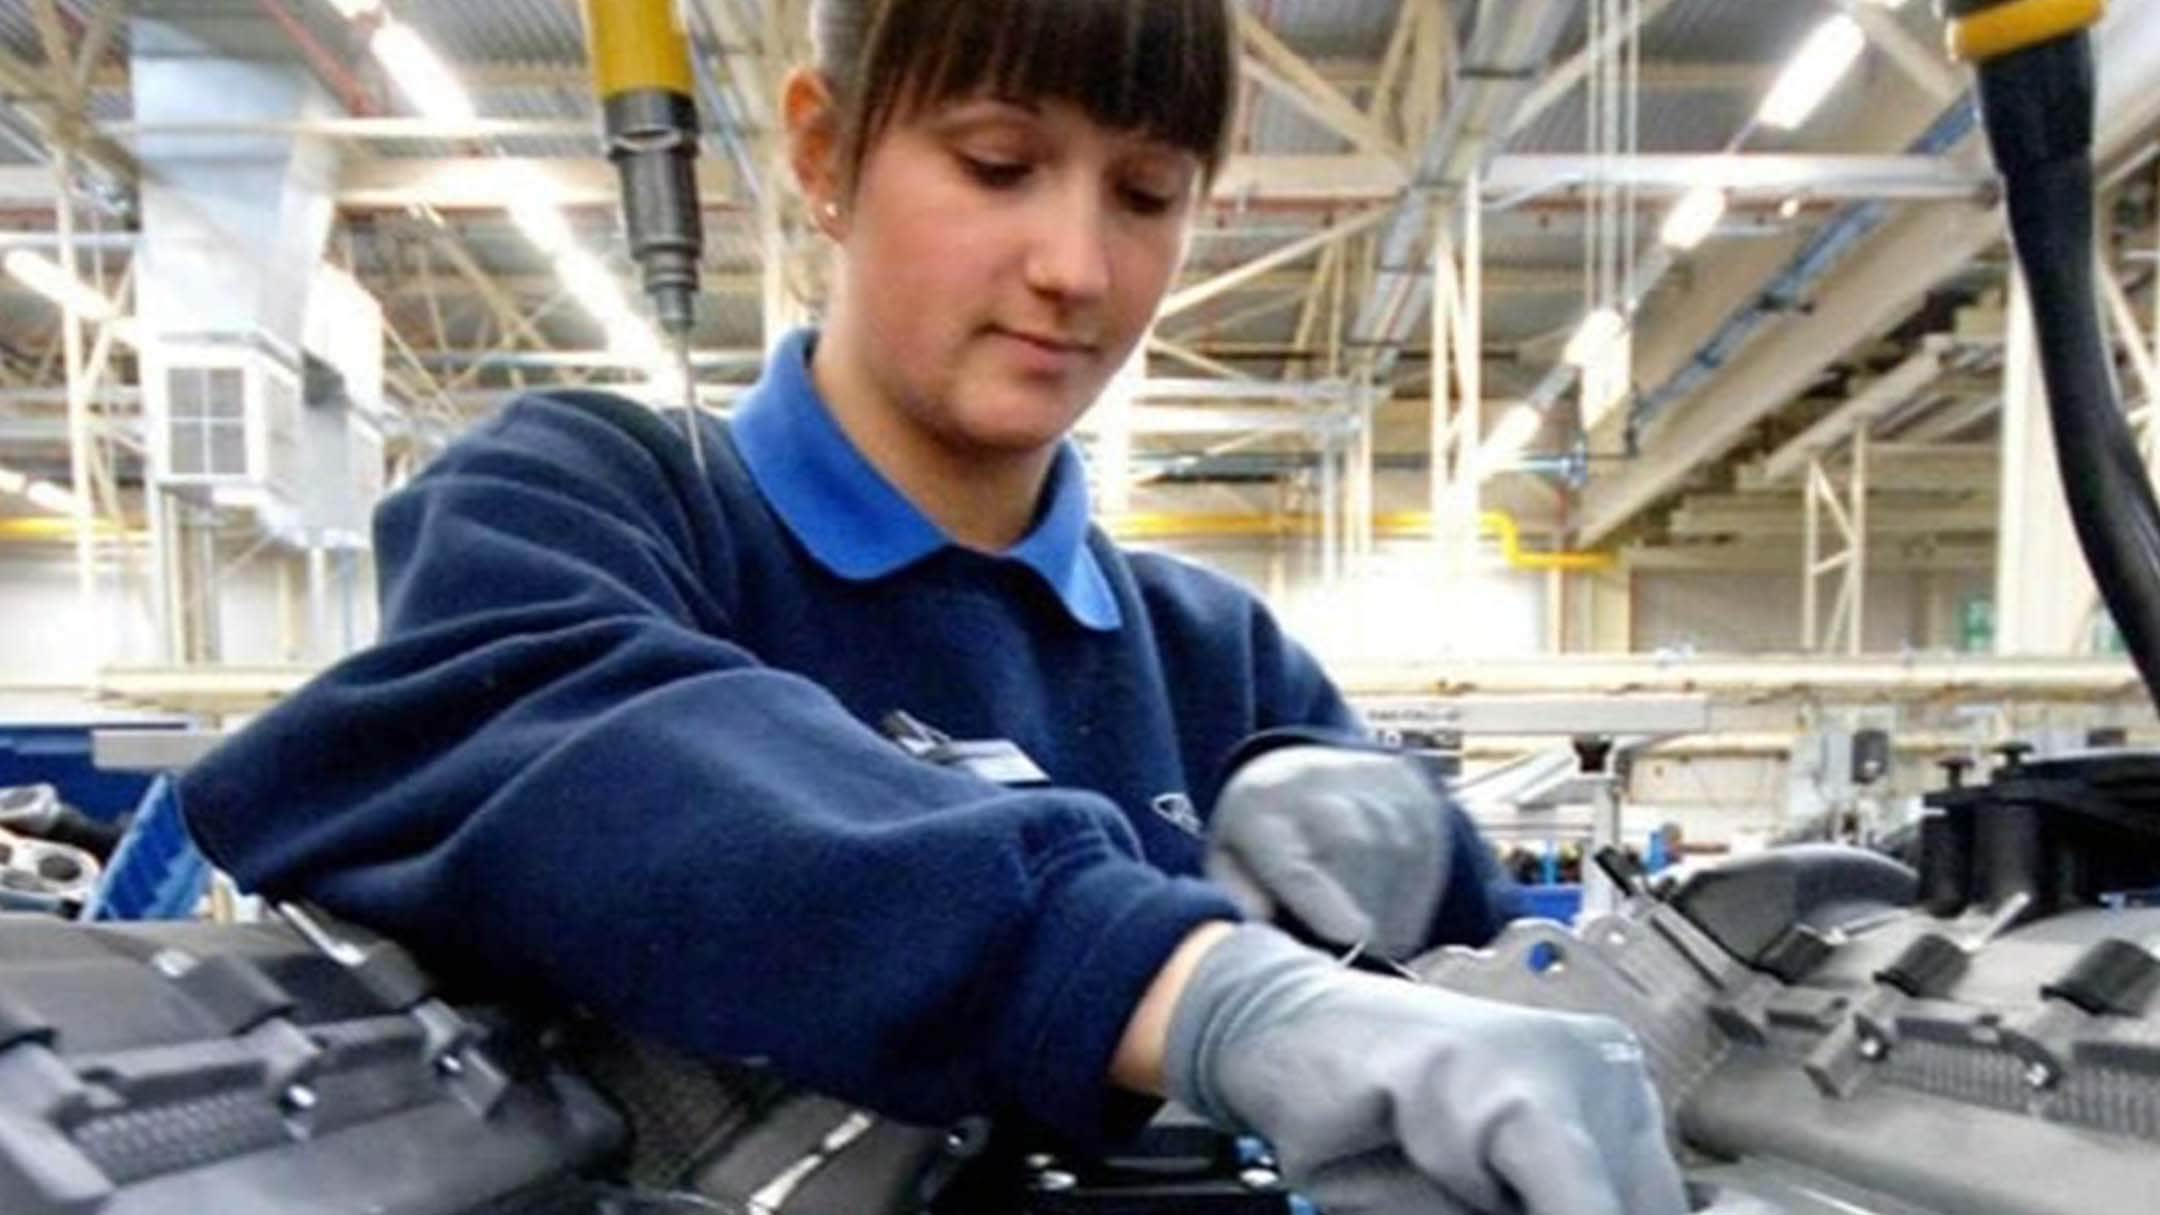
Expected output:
(2037, 105)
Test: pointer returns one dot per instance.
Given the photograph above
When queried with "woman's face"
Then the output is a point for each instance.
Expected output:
(1001, 260)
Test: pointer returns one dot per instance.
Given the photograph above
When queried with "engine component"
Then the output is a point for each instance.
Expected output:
(186, 1067)
(37, 811)
(1825, 1049)
(39, 875)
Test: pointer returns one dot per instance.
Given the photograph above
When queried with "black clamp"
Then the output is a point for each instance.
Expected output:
(2114, 977)
(1927, 967)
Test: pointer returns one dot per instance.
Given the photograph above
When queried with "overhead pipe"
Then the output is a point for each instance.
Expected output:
(1397, 525)
(335, 72)
(1823, 252)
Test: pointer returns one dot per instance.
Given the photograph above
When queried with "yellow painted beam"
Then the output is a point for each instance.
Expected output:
(1400, 525)
(57, 529)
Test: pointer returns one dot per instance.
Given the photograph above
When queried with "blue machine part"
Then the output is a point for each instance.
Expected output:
(156, 873)
(1555, 902)
(59, 755)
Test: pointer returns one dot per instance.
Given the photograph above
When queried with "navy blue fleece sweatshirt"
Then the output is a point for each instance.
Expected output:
(613, 749)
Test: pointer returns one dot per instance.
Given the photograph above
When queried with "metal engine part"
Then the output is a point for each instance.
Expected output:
(1888, 1062)
(38, 875)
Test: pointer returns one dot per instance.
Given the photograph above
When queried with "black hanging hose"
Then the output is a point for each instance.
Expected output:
(2035, 69)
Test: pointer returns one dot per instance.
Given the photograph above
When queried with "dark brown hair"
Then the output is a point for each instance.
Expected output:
(1167, 68)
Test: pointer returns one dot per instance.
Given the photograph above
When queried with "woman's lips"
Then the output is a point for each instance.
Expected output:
(1044, 355)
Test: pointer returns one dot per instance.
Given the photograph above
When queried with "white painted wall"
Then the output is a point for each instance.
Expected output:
(1760, 612)
(1394, 606)
(47, 641)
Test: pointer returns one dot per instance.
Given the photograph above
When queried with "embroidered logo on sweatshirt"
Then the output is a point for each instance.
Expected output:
(1178, 810)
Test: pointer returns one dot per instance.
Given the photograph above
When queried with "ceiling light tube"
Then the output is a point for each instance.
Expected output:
(1597, 331)
(428, 84)
(1823, 60)
(1506, 442)
(1693, 218)
(51, 497)
(46, 277)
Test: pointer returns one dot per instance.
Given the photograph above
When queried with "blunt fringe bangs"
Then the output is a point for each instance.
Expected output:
(1165, 68)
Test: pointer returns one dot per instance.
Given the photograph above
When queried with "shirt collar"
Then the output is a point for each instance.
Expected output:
(858, 526)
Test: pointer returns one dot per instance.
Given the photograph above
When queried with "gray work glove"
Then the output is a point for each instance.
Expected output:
(1385, 1097)
(1353, 843)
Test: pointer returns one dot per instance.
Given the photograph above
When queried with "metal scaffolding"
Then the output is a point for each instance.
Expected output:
(1846, 511)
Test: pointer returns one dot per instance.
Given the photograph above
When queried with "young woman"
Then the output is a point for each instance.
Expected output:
(617, 744)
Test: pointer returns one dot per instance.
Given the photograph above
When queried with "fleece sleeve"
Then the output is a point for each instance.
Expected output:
(559, 771)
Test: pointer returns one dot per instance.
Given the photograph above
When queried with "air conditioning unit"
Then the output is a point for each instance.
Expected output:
(245, 421)
(226, 418)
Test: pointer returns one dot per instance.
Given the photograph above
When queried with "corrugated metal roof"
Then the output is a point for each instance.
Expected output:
(1671, 121)
(1354, 29)
(1715, 31)
(498, 30)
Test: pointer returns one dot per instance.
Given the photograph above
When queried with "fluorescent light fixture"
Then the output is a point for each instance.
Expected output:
(427, 82)
(45, 276)
(590, 285)
(541, 221)
(1823, 60)
(51, 497)
(664, 380)
(238, 497)
(352, 10)
(1507, 440)
(1598, 330)
(637, 343)
(1693, 218)
(12, 482)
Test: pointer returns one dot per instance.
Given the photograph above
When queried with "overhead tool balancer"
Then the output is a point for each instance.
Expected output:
(642, 74)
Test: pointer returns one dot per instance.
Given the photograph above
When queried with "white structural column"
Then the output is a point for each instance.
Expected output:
(2043, 592)
(1111, 422)
(1331, 504)
(1457, 426)
(1848, 518)
(783, 312)
(79, 436)
(1363, 500)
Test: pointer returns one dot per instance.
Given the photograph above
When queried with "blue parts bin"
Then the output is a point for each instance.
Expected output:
(156, 873)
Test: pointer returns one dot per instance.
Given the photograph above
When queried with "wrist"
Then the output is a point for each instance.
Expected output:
(1138, 1064)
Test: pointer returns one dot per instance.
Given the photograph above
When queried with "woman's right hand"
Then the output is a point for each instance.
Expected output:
(1384, 1096)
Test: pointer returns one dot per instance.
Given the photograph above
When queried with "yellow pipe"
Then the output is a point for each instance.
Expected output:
(638, 44)
(40, 529)
(1503, 525)
(1401, 525)
(1994, 32)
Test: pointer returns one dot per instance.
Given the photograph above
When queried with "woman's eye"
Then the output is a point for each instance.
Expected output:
(996, 174)
(1146, 202)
